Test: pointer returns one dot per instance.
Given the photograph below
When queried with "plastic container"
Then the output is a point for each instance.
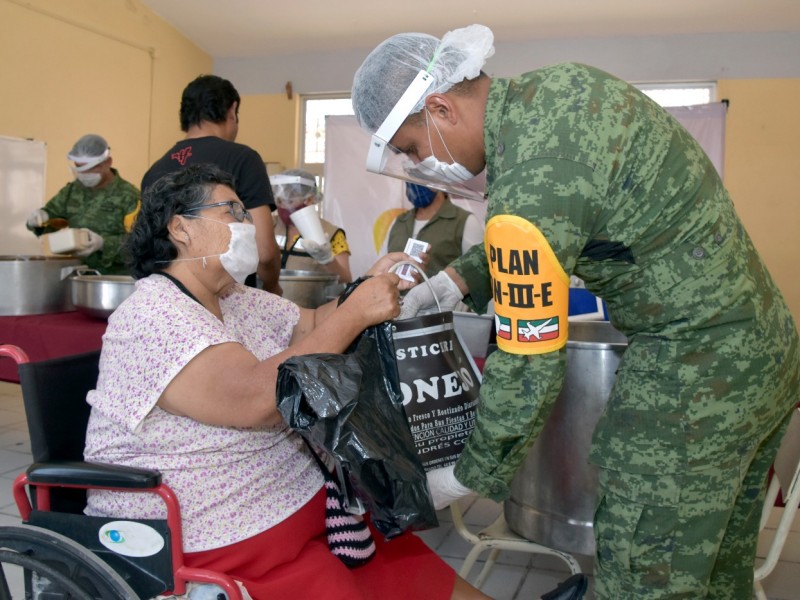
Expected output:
(66, 241)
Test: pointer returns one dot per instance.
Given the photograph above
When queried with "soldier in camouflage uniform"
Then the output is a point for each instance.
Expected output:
(587, 176)
(98, 200)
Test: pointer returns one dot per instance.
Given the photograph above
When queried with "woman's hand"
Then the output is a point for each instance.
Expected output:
(387, 261)
(375, 300)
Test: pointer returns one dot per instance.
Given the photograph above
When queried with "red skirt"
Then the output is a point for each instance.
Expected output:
(291, 561)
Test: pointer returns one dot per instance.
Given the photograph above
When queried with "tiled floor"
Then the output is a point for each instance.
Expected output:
(517, 576)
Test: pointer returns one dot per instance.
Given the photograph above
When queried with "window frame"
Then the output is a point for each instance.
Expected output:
(711, 86)
(315, 168)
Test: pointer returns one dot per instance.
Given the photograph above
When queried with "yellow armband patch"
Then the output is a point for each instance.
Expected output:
(530, 289)
(130, 218)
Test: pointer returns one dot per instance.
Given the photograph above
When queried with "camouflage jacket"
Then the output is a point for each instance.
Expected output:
(104, 211)
(628, 202)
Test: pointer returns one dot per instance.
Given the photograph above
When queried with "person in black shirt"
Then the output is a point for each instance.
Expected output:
(210, 117)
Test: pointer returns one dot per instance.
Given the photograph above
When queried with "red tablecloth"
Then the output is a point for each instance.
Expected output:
(49, 336)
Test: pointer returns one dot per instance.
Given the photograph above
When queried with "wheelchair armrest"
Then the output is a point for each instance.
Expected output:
(84, 474)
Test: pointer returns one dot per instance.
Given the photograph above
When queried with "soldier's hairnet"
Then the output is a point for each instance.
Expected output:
(292, 186)
(388, 70)
(89, 148)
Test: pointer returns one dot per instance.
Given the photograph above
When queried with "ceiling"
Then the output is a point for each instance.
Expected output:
(251, 28)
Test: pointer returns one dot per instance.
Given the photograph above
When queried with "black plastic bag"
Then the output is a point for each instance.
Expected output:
(348, 406)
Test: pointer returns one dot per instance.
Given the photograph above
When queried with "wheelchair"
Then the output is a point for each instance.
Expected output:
(57, 551)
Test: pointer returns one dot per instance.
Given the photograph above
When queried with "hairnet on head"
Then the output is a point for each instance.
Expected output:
(91, 149)
(292, 188)
(390, 68)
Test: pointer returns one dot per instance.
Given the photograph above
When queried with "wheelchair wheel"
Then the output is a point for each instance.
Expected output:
(36, 563)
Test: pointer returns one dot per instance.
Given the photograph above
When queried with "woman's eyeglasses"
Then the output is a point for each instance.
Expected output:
(236, 210)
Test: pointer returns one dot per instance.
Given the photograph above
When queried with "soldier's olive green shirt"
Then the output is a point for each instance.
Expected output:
(629, 203)
(101, 210)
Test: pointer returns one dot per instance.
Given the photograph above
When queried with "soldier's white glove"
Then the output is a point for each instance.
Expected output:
(444, 487)
(95, 244)
(37, 218)
(322, 253)
(421, 296)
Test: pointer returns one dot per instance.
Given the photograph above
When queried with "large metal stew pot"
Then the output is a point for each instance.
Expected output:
(98, 295)
(35, 284)
(553, 496)
(309, 289)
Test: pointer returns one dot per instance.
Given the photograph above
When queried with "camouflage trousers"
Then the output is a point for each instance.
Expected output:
(689, 535)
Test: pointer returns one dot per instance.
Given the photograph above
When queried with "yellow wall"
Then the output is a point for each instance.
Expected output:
(268, 123)
(762, 171)
(81, 66)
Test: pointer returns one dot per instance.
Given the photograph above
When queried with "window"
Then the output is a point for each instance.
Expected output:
(312, 134)
(679, 94)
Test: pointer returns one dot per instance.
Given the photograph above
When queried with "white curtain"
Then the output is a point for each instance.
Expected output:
(359, 202)
(706, 123)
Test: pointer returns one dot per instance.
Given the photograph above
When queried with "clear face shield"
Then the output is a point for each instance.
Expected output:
(292, 191)
(384, 159)
(283, 179)
(87, 162)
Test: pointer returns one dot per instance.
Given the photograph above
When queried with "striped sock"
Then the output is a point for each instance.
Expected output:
(349, 537)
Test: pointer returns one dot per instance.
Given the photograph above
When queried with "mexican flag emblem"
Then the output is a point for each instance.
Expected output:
(503, 327)
(537, 330)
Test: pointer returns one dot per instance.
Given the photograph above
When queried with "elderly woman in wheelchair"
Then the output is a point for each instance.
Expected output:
(187, 387)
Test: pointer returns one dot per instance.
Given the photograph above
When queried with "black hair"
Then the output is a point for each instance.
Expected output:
(148, 249)
(207, 98)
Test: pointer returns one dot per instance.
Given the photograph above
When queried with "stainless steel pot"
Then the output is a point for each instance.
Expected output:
(307, 288)
(553, 496)
(475, 331)
(34, 285)
(99, 295)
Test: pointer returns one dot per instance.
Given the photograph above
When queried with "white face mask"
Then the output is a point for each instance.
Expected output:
(241, 258)
(431, 168)
(89, 179)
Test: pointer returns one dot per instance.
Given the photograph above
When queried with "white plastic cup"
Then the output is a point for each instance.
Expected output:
(308, 224)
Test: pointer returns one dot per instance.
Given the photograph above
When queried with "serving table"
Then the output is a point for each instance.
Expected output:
(49, 336)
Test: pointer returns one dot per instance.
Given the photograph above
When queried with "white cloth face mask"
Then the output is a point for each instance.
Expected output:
(241, 257)
(89, 179)
(434, 169)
